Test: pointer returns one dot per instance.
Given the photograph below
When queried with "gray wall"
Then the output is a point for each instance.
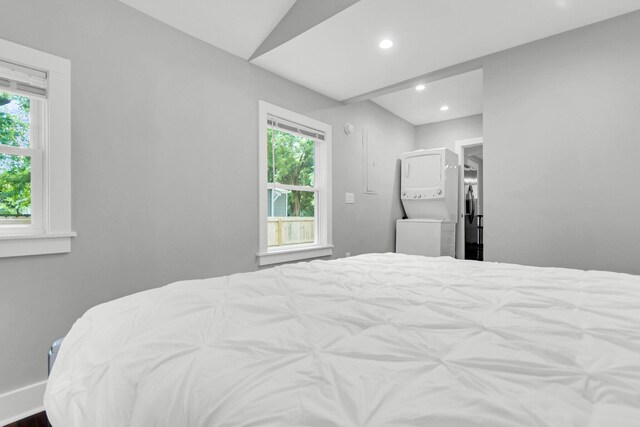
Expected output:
(163, 128)
(444, 134)
(561, 149)
(369, 224)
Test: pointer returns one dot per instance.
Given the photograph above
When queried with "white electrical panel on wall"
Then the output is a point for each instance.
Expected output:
(370, 161)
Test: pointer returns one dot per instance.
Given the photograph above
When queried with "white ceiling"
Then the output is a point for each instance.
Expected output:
(461, 93)
(339, 57)
(237, 26)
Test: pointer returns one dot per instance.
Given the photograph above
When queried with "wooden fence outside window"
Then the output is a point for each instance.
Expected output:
(290, 230)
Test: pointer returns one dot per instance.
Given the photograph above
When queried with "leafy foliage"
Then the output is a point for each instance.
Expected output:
(15, 186)
(291, 161)
(15, 171)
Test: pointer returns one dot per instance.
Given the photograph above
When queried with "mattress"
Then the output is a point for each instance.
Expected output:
(372, 340)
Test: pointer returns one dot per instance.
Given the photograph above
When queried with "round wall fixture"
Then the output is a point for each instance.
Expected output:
(348, 128)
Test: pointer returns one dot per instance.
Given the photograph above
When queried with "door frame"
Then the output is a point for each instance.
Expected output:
(461, 145)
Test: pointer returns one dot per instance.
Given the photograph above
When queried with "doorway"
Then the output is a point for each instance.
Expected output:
(470, 226)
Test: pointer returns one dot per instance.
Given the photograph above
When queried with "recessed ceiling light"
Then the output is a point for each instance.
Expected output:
(444, 108)
(385, 44)
(420, 87)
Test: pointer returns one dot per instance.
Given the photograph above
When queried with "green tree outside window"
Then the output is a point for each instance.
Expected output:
(290, 160)
(15, 171)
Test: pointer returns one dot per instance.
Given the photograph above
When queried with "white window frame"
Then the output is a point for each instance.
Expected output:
(35, 152)
(50, 231)
(323, 245)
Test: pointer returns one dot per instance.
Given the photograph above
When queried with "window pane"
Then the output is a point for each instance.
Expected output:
(14, 119)
(290, 158)
(291, 219)
(15, 189)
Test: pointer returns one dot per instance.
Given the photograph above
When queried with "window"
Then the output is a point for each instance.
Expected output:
(34, 152)
(295, 186)
(20, 160)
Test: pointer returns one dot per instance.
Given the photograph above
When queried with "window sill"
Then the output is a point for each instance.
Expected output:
(293, 254)
(35, 244)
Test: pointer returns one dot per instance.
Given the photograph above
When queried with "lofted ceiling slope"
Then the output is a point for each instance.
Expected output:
(331, 46)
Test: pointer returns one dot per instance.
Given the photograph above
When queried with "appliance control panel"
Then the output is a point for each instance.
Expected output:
(409, 195)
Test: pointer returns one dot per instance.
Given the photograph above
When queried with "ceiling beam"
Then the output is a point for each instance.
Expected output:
(464, 67)
(303, 15)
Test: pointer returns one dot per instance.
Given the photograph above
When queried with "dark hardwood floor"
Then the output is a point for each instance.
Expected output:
(37, 420)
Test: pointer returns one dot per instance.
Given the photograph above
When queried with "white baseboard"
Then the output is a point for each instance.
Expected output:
(21, 403)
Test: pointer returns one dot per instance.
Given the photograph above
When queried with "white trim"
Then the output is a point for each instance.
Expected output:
(324, 242)
(35, 244)
(289, 187)
(293, 254)
(467, 143)
(21, 403)
(460, 145)
(38, 236)
(52, 231)
(262, 173)
(30, 58)
(18, 151)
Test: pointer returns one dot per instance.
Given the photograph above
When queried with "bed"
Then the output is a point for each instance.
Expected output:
(371, 340)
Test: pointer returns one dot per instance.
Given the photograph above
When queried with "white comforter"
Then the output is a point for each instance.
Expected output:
(373, 340)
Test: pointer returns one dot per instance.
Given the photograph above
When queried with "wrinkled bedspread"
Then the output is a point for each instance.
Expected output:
(372, 340)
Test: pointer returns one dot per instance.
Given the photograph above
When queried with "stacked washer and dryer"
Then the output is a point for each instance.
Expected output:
(429, 194)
